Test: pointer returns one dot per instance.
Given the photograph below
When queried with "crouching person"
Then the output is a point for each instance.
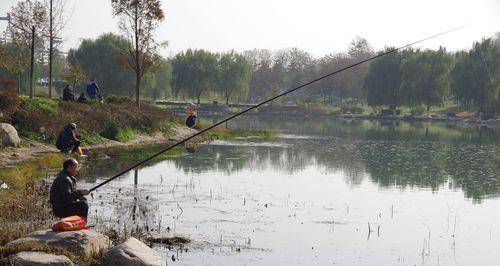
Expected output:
(68, 140)
(65, 199)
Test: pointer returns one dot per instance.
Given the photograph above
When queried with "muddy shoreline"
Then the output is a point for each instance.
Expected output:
(10, 157)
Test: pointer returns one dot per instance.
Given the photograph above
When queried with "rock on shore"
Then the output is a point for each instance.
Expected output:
(32, 258)
(79, 242)
(8, 136)
(134, 253)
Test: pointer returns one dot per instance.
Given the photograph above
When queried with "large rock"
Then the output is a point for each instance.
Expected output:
(134, 253)
(34, 258)
(78, 242)
(8, 136)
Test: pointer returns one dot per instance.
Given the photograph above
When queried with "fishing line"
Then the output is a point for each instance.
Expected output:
(272, 99)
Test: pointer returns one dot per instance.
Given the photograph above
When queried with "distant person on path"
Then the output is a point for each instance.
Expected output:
(68, 94)
(65, 199)
(82, 98)
(93, 90)
(68, 140)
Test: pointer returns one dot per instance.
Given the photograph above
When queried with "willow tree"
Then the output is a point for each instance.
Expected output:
(138, 20)
(28, 24)
(235, 73)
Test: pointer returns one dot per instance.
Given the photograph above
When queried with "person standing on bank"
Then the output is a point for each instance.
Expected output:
(65, 199)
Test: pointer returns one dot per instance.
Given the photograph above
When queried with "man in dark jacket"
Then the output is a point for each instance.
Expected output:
(68, 94)
(67, 139)
(93, 90)
(191, 120)
(82, 98)
(65, 199)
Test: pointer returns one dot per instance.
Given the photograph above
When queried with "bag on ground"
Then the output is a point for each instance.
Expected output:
(71, 223)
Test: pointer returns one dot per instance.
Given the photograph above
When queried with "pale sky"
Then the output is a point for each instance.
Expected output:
(317, 26)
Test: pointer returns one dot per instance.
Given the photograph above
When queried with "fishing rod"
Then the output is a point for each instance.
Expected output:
(272, 99)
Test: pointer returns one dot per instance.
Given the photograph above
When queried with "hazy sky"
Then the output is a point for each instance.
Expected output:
(317, 26)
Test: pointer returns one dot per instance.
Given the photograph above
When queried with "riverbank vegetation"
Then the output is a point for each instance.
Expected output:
(24, 198)
(117, 118)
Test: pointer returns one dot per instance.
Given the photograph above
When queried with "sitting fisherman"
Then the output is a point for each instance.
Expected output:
(65, 199)
(82, 98)
(68, 140)
(68, 94)
(191, 120)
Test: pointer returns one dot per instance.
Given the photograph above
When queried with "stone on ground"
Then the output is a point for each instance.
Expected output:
(78, 242)
(134, 253)
(8, 136)
(32, 258)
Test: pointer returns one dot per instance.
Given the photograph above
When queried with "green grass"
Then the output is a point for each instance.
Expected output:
(18, 177)
(47, 105)
(125, 134)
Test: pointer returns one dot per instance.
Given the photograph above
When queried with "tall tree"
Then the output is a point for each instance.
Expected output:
(99, 59)
(138, 20)
(74, 74)
(382, 82)
(475, 77)
(234, 75)
(28, 23)
(194, 72)
(56, 22)
(261, 61)
(158, 84)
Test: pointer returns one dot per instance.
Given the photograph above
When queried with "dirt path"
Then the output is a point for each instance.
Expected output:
(12, 156)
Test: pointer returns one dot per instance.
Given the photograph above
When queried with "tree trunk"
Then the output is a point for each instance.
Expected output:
(51, 48)
(227, 100)
(136, 59)
(198, 98)
(19, 83)
(32, 67)
(137, 88)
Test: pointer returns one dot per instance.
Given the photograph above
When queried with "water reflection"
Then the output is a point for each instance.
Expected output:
(392, 154)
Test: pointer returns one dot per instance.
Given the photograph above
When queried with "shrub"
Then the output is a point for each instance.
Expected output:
(117, 99)
(8, 83)
(111, 130)
(125, 134)
(9, 103)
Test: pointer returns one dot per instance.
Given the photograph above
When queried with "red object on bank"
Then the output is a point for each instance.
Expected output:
(71, 223)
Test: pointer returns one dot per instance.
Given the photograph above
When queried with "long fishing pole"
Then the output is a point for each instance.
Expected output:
(271, 99)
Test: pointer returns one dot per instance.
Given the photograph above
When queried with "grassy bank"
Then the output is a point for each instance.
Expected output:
(24, 203)
(25, 207)
(118, 118)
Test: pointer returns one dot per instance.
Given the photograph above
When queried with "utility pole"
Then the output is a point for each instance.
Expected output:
(51, 48)
(32, 67)
(6, 18)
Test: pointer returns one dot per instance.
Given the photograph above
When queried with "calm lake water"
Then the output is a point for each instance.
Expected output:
(324, 193)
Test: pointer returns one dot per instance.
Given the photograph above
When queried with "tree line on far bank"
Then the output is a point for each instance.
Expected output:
(412, 77)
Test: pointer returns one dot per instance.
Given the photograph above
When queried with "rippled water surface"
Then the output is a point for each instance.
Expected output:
(324, 193)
